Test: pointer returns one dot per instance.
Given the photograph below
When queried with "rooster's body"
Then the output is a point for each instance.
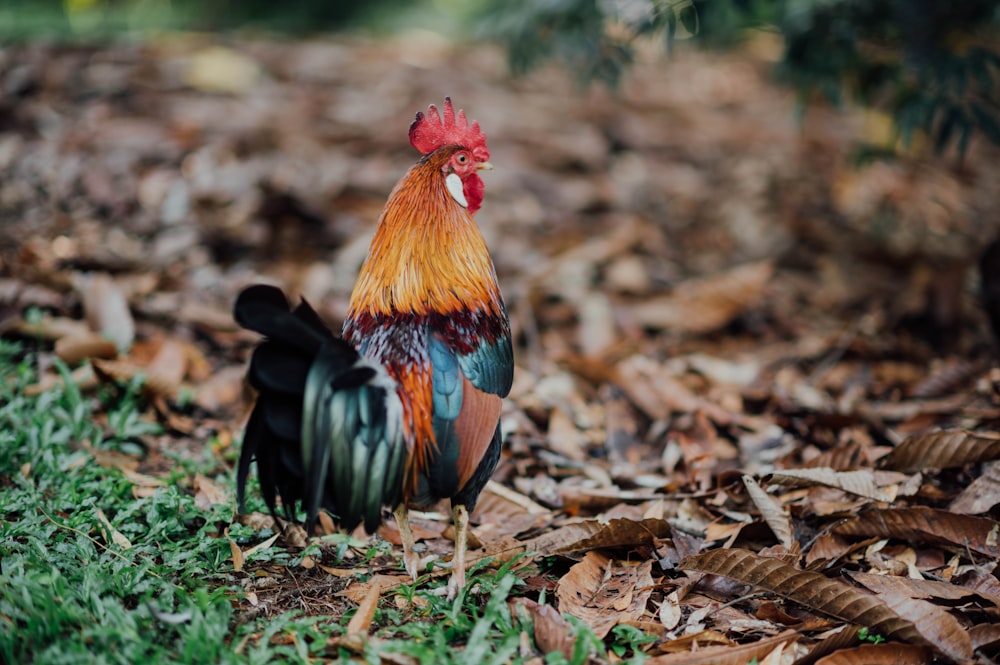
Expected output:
(404, 410)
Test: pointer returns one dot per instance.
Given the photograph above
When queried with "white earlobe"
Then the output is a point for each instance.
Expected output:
(456, 189)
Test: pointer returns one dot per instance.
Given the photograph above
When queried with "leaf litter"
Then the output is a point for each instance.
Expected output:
(742, 421)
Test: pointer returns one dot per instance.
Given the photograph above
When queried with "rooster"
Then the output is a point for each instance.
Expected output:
(403, 410)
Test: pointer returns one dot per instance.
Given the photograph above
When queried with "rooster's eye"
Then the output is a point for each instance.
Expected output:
(461, 159)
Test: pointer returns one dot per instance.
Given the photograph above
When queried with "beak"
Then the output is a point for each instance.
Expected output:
(484, 166)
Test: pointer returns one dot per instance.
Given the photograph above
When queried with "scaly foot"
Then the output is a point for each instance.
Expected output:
(411, 559)
(460, 516)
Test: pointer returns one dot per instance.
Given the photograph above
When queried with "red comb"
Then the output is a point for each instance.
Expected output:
(430, 132)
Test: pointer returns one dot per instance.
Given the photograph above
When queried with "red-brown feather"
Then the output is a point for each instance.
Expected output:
(475, 425)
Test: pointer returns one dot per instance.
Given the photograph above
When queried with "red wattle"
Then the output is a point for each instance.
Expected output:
(473, 189)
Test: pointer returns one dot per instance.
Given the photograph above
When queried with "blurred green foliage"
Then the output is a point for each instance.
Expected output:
(932, 65)
(97, 19)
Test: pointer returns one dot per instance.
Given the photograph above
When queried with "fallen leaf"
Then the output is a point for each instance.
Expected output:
(112, 534)
(223, 388)
(737, 654)
(708, 303)
(207, 492)
(861, 482)
(603, 593)
(362, 619)
(235, 552)
(169, 366)
(878, 654)
(105, 308)
(942, 449)
(594, 534)
(935, 625)
(927, 525)
(772, 511)
(552, 633)
(74, 349)
(981, 495)
(815, 591)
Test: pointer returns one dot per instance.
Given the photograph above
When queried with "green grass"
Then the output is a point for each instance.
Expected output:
(70, 594)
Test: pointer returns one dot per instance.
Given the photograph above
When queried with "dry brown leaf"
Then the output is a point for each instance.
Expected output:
(169, 365)
(112, 459)
(982, 579)
(207, 317)
(772, 511)
(879, 654)
(564, 437)
(919, 588)
(707, 303)
(736, 654)
(861, 482)
(223, 388)
(942, 449)
(263, 545)
(199, 367)
(123, 371)
(258, 521)
(650, 386)
(841, 458)
(362, 619)
(927, 525)
(111, 534)
(815, 591)
(594, 534)
(514, 497)
(207, 492)
(551, 631)
(577, 497)
(670, 613)
(844, 636)
(235, 551)
(938, 627)
(53, 328)
(985, 636)
(74, 349)
(105, 308)
(596, 332)
(981, 495)
(603, 593)
(503, 513)
(695, 641)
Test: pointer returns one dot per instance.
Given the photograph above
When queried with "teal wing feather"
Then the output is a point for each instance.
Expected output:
(490, 366)
(457, 377)
(353, 445)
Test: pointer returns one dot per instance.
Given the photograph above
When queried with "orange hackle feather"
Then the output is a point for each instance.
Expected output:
(427, 257)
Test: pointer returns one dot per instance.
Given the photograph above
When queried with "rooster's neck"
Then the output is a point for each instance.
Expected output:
(427, 255)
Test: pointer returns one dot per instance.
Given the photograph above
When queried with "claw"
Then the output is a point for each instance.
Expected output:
(460, 516)
(411, 559)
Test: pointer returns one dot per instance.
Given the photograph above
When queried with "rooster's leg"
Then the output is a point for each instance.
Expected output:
(460, 516)
(411, 560)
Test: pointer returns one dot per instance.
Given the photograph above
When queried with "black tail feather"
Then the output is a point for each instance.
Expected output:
(274, 369)
(264, 309)
(326, 431)
(278, 371)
